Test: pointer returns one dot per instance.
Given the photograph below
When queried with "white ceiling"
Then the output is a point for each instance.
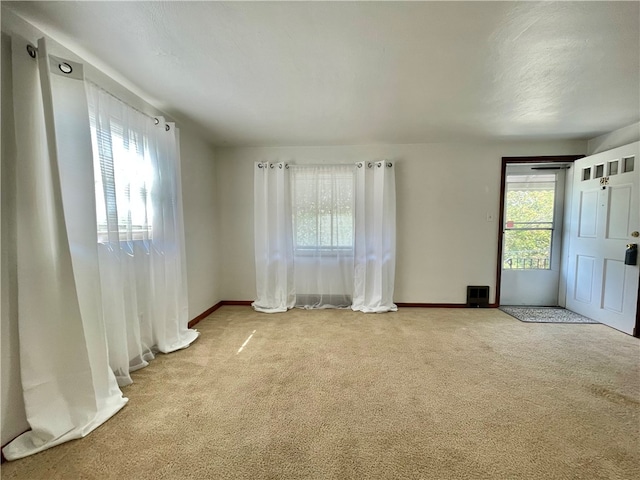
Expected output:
(316, 73)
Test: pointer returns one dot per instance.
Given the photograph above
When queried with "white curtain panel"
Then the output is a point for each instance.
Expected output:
(322, 209)
(375, 237)
(68, 387)
(140, 233)
(273, 238)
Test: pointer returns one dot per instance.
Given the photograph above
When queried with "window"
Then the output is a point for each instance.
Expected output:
(529, 221)
(599, 171)
(628, 164)
(322, 208)
(123, 176)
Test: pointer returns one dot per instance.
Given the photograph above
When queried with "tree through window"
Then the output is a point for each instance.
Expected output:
(529, 221)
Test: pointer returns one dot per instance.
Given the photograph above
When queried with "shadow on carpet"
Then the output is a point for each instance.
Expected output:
(546, 315)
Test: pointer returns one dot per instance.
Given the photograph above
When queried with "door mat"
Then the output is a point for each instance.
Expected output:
(546, 315)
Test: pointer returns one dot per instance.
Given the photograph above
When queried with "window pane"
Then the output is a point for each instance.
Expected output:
(527, 249)
(322, 207)
(599, 171)
(530, 201)
(628, 164)
(123, 181)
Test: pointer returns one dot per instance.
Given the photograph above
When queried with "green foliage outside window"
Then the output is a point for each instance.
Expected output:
(528, 226)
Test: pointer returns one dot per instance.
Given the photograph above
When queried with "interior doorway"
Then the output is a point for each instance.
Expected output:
(530, 235)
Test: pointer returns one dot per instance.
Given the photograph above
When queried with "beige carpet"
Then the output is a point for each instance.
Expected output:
(421, 393)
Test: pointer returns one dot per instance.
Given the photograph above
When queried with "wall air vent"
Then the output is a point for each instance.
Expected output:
(478, 296)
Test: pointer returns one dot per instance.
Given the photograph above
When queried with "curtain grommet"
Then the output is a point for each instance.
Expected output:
(65, 68)
(167, 127)
(32, 51)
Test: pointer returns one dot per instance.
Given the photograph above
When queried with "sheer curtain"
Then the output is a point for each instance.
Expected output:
(68, 387)
(273, 238)
(375, 237)
(140, 233)
(322, 213)
(325, 236)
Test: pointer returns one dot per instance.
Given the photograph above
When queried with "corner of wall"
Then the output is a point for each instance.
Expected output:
(202, 225)
(617, 138)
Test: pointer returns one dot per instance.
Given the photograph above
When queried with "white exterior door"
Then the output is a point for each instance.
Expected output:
(605, 217)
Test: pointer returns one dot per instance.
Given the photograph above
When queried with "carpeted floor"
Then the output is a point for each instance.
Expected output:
(546, 315)
(417, 394)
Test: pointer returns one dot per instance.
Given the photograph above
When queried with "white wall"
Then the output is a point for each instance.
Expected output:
(444, 193)
(617, 138)
(201, 222)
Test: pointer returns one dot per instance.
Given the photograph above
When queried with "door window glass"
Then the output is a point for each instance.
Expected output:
(628, 164)
(599, 171)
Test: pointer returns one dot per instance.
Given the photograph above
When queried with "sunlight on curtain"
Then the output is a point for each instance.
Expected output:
(140, 233)
(322, 212)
